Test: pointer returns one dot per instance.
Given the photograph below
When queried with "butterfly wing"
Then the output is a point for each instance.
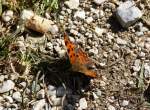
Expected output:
(85, 62)
(78, 58)
(70, 48)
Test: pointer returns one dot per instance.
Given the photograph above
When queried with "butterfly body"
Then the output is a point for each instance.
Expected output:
(78, 58)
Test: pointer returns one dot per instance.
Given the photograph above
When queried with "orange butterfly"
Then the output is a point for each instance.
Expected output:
(79, 59)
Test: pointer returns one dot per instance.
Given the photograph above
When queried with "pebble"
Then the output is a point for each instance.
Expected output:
(54, 29)
(93, 51)
(56, 100)
(2, 77)
(39, 105)
(60, 92)
(139, 33)
(127, 13)
(98, 92)
(17, 96)
(80, 14)
(110, 107)
(1, 107)
(51, 90)
(7, 15)
(98, 2)
(99, 31)
(8, 98)
(82, 104)
(147, 70)
(125, 102)
(137, 65)
(89, 20)
(72, 4)
(121, 41)
(41, 94)
(95, 96)
(7, 86)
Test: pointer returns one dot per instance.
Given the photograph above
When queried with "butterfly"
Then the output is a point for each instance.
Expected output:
(79, 60)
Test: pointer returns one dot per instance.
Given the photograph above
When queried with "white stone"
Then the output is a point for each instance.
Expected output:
(51, 90)
(93, 51)
(95, 96)
(54, 29)
(121, 41)
(17, 96)
(110, 107)
(8, 98)
(80, 14)
(2, 78)
(127, 13)
(41, 94)
(89, 20)
(99, 31)
(147, 70)
(27, 14)
(7, 15)
(1, 107)
(125, 102)
(39, 105)
(56, 100)
(7, 86)
(82, 104)
(72, 4)
(98, 2)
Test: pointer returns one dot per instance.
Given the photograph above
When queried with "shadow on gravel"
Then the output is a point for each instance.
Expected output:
(115, 25)
(57, 73)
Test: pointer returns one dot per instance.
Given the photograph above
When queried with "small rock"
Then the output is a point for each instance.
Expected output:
(93, 51)
(137, 65)
(89, 20)
(142, 54)
(127, 13)
(1, 107)
(2, 77)
(98, 2)
(54, 29)
(55, 100)
(39, 104)
(7, 86)
(147, 70)
(59, 51)
(72, 4)
(23, 84)
(99, 31)
(139, 33)
(7, 15)
(8, 98)
(60, 92)
(80, 14)
(41, 94)
(98, 93)
(110, 107)
(51, 90)
(82, 104)
(125, 103)
(95, 96)
(17, 96)
(121, 41)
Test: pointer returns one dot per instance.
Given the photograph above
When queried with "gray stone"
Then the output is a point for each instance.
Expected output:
(82, 104)
(60, 92)
(147, 70)
(137, 65)
(17, 96)
(127, 13)
(51, 90)
(98, 2)
(72, 4)
(2, 77)
(139, 33)
(93, 51)
(7, 86)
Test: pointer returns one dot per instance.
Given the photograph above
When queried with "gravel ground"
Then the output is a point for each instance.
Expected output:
(39, 78)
